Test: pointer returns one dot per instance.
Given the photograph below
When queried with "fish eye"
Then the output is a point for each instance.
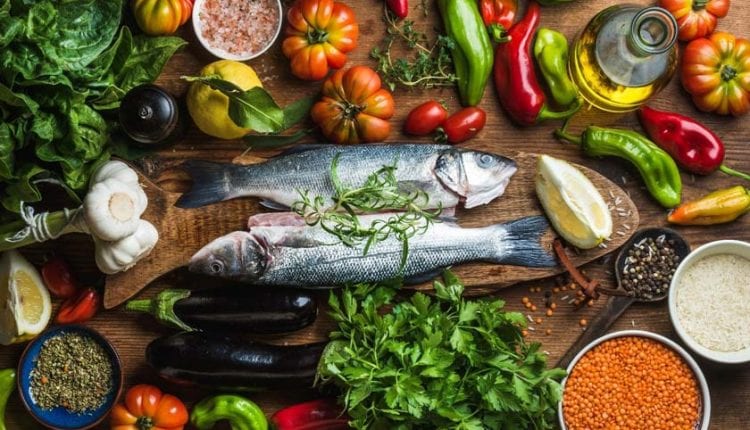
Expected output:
(486, 160)
(216, 267)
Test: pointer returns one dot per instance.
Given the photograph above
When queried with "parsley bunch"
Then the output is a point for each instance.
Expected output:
(442, 363)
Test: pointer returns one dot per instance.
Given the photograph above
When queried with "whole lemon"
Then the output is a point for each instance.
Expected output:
(209, 107)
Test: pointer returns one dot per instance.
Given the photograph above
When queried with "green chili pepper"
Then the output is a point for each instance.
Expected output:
(472, 53)
(551, 53)
(241, 413)
(656, 167)
(7, 385)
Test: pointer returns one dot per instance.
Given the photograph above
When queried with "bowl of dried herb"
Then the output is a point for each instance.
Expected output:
(69, 377)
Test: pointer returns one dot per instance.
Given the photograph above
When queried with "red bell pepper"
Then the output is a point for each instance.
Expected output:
(515, 76)
(323, 414)
(693, 145)
(79, 308)
(400, 8)
(498, 16)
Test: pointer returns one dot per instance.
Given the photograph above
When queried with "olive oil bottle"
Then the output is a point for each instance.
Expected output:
(624, 56)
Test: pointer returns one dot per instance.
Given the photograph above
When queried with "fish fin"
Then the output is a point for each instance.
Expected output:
(423, 277)
(212, 183)
(304, 148)
(270, 204)
(520, 243)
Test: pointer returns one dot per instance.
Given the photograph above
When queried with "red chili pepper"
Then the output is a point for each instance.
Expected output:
(693, 145)
(80, 308)
(498, 16)
(323, 414)
(515, 76)
(400, 8)
(59, 278)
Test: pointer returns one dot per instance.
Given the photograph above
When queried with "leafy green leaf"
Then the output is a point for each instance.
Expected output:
(297, 111)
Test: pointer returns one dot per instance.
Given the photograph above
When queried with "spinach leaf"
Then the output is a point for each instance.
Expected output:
(7, 146)
(23, 189)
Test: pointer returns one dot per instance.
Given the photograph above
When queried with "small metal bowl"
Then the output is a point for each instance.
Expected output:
(705, 412)
(60, 418)
(220, 53)
(734, 247)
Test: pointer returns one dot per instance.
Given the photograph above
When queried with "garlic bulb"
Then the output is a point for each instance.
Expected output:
(112, 208)
(115, 170)
(120, 255)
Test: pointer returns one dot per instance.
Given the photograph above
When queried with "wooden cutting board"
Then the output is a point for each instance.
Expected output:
(182, 232)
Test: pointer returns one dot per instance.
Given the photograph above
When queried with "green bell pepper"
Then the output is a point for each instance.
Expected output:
(241, 413)
(551, 53)
(472, 53)
(657, 168)
(7, 385)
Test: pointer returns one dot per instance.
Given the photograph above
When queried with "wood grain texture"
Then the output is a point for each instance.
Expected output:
(194, 228)
(729, 385)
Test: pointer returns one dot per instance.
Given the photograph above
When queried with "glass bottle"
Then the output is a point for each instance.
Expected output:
(624, 56)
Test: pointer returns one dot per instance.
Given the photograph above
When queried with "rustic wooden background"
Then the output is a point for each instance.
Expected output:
(729, 385)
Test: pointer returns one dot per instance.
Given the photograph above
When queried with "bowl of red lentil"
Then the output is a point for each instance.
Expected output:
(237, 30)
(634, 380)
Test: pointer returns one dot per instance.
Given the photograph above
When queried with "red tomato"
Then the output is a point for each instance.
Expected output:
(464, 124)
(147, 408)
(425, 118)
(58, 278)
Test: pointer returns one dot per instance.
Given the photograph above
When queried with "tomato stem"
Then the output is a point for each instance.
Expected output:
(728, 73)
(144, 423)
(350, 110)
(316, 36)
(699, 4)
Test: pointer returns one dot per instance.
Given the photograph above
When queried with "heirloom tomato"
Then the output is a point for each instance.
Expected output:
(353, 107)
(147, 408)
(716, 72)
(319, 33)
(160, 17)
(696, 18)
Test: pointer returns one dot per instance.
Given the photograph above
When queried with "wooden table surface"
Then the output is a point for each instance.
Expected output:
(729, 385)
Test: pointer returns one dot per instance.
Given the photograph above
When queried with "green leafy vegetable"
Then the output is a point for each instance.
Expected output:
(61, 63)
(381, 192)
(436, 363)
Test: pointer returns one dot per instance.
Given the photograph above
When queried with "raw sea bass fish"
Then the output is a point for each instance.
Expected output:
(447, 174)
(280, 249)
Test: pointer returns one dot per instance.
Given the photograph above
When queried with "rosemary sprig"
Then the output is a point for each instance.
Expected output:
(380, 192)
(425, 65)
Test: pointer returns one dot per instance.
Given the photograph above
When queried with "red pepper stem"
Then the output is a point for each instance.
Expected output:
(498, 33)
(545, 113)
(699, 4)
(731, 172)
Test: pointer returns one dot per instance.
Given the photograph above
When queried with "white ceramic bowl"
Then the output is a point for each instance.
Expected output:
(220, 53)
(705, 412)
(736, 247)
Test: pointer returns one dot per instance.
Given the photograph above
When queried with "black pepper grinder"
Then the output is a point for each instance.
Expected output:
(151, 116)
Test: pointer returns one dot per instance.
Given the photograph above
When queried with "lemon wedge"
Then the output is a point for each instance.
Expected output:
(25, 307)
(572, 203)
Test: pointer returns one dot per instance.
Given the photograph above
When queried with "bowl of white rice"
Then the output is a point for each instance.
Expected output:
(709, 301)
(237, 30)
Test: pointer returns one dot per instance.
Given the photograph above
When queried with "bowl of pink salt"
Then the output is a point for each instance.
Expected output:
(237, 30)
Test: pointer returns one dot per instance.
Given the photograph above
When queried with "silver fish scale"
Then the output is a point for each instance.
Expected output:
(280, 178)
(443, 245)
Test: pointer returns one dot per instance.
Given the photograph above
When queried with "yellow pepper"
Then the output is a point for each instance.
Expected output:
(714, 208)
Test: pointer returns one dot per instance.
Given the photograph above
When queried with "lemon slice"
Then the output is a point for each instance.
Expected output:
(573, 205)
(25, 307)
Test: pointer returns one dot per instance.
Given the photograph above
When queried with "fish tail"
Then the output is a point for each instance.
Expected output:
(520, 243)
(212, 183)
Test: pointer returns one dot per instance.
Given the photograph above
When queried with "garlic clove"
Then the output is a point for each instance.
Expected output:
(115, 169)
(112, 209)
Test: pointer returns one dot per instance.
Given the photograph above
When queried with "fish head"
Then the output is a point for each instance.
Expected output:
(477, 177)
(238, 255)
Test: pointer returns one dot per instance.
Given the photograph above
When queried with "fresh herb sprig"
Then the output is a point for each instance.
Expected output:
(436, 363)
(426, 64)
(380, 192)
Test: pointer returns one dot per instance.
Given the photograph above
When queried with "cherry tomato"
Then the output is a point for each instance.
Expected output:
(425, 118)
(58, 278)
(79, 308)
(464, 124)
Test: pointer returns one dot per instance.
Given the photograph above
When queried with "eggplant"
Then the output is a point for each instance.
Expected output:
(232, 362)
(232, 309)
